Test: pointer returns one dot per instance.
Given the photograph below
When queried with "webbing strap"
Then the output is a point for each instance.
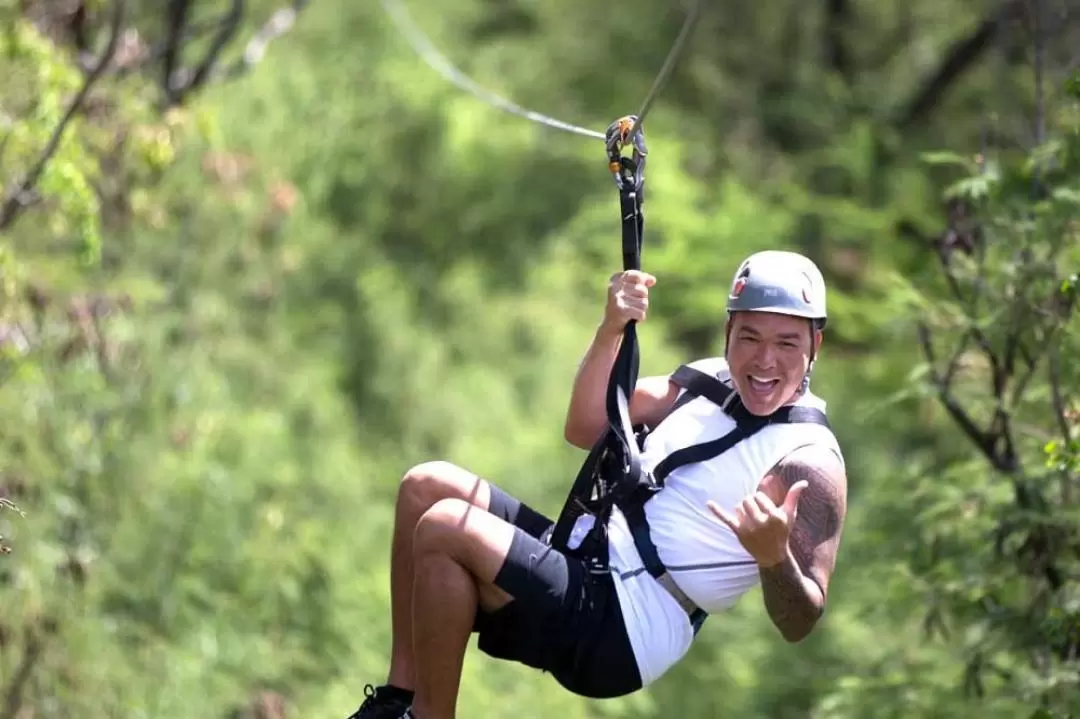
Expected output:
(708, 386)
(618, 446)
(634, 507)
(617, 450)
(706, 450)
(624, 373)
(580, 491)
(699, 384)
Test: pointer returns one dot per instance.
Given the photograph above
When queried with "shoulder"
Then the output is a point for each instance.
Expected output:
(822, 467)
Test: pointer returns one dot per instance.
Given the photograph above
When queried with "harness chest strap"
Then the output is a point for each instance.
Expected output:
(697, 383)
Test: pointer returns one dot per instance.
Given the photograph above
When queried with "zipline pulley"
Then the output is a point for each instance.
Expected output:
(629, 172)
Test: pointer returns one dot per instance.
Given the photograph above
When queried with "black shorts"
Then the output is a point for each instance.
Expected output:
(563, 619)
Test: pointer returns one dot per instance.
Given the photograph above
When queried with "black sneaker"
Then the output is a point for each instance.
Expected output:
(380, 704)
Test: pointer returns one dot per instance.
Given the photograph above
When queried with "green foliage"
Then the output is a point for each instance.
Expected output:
(1000, 532)
(229, 327)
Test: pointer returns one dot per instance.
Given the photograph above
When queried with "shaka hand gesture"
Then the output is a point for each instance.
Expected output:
(762, 527)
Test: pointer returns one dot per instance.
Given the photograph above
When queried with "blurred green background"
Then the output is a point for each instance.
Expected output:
(238, 305)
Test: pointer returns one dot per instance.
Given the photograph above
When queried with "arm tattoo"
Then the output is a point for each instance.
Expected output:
(795, 589)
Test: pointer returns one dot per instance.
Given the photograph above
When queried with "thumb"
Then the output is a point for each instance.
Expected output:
(791, 501)
(650, 280)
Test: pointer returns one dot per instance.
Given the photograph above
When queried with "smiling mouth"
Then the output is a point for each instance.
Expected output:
(760, 385)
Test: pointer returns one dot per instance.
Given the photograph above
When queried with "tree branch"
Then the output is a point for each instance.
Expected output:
(181, 83)
(226, 32)
(1040, 70)
(983, 440)
(1061, 417)
(175, 24)
(837, 19)
(14, 692)
(961, 56)
(281, 22)
(21, 195)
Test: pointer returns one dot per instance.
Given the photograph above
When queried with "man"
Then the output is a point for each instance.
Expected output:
(467, 557)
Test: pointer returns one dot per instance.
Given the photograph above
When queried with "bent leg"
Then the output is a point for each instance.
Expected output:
(421, 488)
(459, 552)
(540, 608)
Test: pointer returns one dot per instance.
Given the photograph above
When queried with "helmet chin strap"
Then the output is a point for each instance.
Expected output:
(805, 385)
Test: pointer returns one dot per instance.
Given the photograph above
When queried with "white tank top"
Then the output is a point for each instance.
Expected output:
(701, 553)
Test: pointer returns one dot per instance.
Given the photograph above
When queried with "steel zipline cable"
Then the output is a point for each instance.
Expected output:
(422, 46)
(669, 64)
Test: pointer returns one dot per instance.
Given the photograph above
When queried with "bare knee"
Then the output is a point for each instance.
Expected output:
(430, 482)
(442, 526)
(480, 545)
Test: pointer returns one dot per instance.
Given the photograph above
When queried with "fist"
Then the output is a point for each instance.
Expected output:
(628, 298)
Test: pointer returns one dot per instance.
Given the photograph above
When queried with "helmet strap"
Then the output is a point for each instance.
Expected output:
(805, 386)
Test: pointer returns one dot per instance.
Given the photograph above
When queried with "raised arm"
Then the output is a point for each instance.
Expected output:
(586, 417)
(796, 588)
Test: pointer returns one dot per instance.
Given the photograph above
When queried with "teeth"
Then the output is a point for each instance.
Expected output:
(761, 380)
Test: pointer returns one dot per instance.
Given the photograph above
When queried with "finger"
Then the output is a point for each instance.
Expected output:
(723, 516)
(791, 501)
(634, 311)
(753, 512)
(768, 511)
(765, 504)
(637, 276)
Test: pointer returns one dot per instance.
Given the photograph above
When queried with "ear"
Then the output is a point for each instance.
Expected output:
(819, 337)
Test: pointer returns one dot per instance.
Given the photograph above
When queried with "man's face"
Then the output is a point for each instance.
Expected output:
(768, 355)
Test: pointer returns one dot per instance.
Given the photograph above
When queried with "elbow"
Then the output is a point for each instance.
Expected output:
(794, 636)
(576, 435)
(796, 632)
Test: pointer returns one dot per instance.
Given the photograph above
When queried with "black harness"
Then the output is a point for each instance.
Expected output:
(611, 475)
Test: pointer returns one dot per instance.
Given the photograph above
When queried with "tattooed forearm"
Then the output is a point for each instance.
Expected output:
(794, 602)
(795, 589)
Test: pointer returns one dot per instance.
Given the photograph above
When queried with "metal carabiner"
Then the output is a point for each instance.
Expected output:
(626, 169)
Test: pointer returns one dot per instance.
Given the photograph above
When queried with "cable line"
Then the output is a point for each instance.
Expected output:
(422, 46)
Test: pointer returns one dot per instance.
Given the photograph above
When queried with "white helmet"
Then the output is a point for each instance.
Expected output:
(777, 281)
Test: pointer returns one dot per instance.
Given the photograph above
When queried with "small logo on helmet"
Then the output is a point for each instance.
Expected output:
(807, 287)
(737, 288)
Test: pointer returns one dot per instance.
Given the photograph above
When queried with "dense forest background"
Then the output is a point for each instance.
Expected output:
(257, 260)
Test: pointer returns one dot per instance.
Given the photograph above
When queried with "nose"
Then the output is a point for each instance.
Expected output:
(766, 355)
